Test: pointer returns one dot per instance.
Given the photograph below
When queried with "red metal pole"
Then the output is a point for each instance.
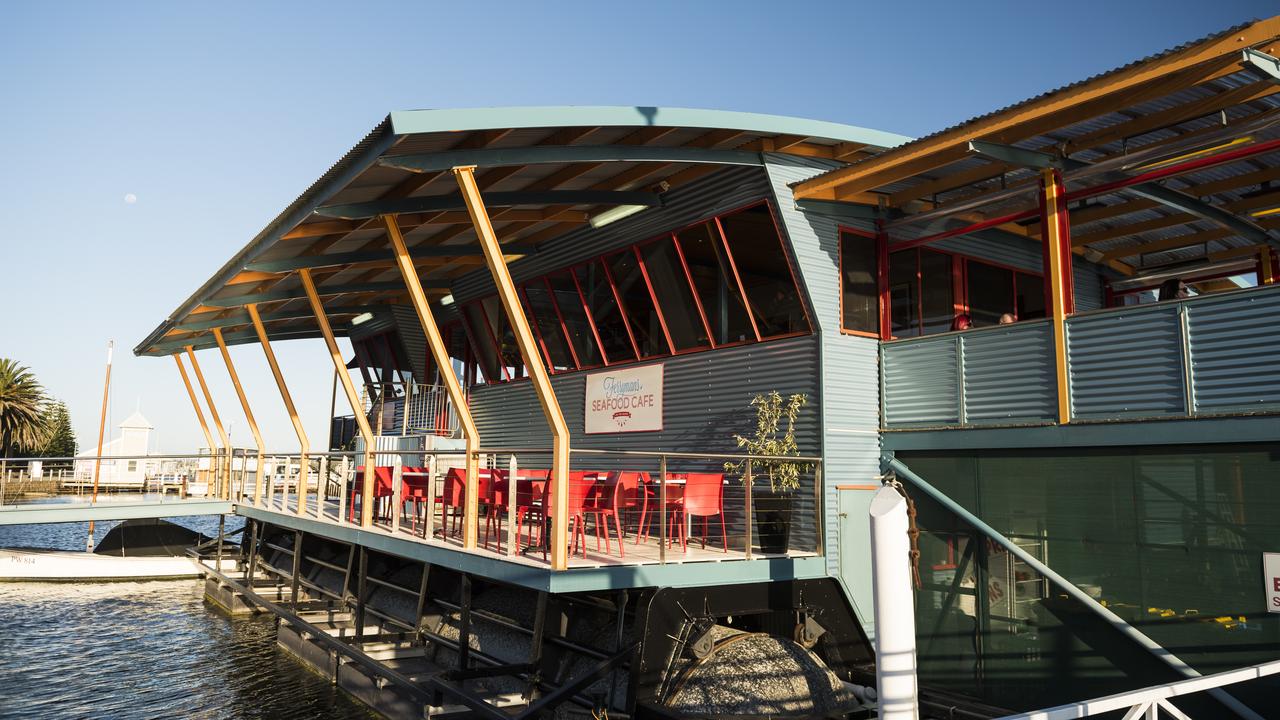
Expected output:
(882, 280)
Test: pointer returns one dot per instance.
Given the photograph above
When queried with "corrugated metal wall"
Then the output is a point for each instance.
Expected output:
(1235, 352)
(999, 375)
(850, 378)
(922, 382)
(1126, 363)
(1009, 374)
(724, 190)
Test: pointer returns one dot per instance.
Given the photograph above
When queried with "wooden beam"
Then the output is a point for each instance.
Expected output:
(195, 404)
(1135, 83)
(304, 445)
(357, 408)
(1057, 247)
(217, 421)
(435, 342)
(541, 380)
(248, 413)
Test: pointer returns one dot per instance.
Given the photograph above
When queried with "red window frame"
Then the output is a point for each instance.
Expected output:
(959, 286)
(882, 279)
(471, 363)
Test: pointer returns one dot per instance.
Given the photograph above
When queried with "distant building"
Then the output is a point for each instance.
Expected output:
(131, 470)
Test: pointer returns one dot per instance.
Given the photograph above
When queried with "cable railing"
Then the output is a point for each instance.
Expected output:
(621, 507)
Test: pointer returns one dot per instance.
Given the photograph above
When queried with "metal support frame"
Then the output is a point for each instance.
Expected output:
(304, 447)
(225, 473)
(440, 354)
(362, 589)
(357, 409)
(533, 361)
(248, 415)
(1057, 251)
(436, 203)
(295, 577)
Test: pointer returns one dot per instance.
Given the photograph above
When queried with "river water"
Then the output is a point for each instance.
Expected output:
(143, 649)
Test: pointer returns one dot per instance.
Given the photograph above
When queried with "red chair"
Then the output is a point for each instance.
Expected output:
(703, 497)
(530, 486)
(581, 485)
(630, 491)
(452, 498)
(382, 476)
(415, 481)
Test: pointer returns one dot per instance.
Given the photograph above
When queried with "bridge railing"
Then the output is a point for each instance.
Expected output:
(108, 478)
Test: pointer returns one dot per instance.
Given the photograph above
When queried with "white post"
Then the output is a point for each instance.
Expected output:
(894, 607)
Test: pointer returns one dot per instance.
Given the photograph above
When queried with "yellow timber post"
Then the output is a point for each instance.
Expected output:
(217, 422)
(1055, 243)
(248, 413)
(304, 447)
(1266, 270)
(440, 354)
(357, 408)
(195, 404)
(533, 361)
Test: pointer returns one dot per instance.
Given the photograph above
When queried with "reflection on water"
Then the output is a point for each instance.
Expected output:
(143, 649)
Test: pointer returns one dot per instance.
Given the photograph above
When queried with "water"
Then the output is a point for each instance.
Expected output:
(144, 649)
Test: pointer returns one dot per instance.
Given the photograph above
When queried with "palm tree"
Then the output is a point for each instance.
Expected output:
(22, 402)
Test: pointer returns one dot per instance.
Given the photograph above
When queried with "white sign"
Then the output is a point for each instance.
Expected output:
(1271, 576)
(35, 469)
(624, 400)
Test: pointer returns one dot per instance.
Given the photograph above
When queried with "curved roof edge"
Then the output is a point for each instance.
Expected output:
(406, 122)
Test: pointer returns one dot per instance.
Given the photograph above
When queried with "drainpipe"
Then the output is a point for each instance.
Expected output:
(894, 607)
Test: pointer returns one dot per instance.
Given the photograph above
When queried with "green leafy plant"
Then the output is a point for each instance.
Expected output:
(773, 438)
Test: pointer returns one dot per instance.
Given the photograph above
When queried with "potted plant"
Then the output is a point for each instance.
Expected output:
(774, 438)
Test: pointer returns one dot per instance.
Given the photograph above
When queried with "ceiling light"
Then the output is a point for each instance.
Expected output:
(361, 318)
(447, 299)
(614, 214)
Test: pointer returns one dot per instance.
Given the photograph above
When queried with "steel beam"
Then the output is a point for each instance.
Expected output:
(1151, 191)
(434, 203)
(529, 352)
(380, 256)
(1264, 66)
(558, 154)
(235, 301)
(236, 318)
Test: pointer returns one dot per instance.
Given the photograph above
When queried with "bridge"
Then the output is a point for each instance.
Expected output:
(110, 510)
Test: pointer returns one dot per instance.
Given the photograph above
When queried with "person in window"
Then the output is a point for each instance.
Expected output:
(1173, 289)
(1007, 319)
(962, 322)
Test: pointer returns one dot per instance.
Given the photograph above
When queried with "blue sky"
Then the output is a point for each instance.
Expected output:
(216, 115)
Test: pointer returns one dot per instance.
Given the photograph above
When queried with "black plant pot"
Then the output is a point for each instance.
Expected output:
(773, 519)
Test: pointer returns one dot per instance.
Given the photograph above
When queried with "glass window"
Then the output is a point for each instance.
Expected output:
(638, 304)
(859, 295)
(544, 315)
(937, 300)
(675, 296)
(605, 312)
(713, 279)
(575, 318)
(508, 350)
(1030, 300)
(989, 290)
(482, 345)
(904, 295)
(765, 272)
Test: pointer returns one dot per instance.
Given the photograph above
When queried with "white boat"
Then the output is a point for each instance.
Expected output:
(144, 549)
(39, 565)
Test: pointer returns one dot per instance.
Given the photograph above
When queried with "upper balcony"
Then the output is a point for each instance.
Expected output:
(1214, 355)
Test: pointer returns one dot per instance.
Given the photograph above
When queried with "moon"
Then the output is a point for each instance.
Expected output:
(130, 198)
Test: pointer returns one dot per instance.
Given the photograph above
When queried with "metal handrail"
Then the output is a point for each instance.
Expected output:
(1153, 698)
